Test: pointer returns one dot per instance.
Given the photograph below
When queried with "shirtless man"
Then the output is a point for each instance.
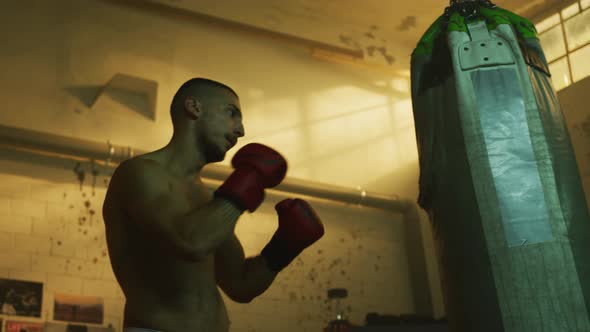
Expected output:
(171, 242)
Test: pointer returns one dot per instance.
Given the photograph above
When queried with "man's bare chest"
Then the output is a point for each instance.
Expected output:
(192, 195)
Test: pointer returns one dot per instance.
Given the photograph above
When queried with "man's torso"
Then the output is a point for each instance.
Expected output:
(163, 292)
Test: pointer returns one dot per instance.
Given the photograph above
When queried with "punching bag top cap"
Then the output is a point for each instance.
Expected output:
(454, 20)
(468, 9)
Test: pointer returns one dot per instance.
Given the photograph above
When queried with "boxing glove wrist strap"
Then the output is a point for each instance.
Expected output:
(244, 187)
(277, 254)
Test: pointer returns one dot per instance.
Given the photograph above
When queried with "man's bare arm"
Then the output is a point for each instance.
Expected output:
(242, 279)
(208, 226)
(152, 205)
(299, 227)
(257, 276)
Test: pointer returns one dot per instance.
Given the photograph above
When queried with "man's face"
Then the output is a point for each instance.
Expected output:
(223, 124)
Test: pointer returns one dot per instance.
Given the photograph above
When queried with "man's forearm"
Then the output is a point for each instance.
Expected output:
(210, 225)
(257, 276)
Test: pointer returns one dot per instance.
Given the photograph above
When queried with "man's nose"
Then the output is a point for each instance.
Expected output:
(240, 131)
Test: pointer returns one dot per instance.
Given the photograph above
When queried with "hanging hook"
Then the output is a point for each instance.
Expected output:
(466, 8)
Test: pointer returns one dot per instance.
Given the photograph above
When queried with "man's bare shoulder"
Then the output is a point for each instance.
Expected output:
(136, 168)
(131, 177)
(143, 193)
(140, 162)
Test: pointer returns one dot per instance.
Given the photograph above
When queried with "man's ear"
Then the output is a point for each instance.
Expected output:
(193, 107)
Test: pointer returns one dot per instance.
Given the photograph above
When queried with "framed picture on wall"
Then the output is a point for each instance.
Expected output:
(16, 326)
(20, 298)
(78, 309)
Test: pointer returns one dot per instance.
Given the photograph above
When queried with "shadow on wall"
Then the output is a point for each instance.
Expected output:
(402, 182)
(405, 180)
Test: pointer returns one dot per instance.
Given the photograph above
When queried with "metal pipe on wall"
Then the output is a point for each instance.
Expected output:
(110, 154)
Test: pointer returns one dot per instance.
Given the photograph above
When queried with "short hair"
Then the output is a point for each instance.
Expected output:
(194, 86)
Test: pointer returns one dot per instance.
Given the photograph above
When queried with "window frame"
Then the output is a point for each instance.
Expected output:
(562, 22)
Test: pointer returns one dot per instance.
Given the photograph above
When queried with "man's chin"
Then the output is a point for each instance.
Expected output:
(217, 157)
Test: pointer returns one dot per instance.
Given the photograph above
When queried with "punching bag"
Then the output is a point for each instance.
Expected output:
(498, 176)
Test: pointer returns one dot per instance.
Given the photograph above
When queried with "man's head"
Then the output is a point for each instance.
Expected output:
(206, 115)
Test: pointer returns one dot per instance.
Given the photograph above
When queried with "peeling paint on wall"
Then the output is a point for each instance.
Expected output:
(407, 23)
(370, 42)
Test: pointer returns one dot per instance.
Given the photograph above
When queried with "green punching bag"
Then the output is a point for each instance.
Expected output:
(498, 176)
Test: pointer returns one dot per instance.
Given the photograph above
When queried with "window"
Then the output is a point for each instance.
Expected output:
(553, 43)
(580, 61)
(570, 11)
(577, 30)
(548, 23)
(565, 38)
(560, 74)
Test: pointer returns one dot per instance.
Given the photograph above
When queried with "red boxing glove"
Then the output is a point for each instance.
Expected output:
(256, 167)
(299, 227)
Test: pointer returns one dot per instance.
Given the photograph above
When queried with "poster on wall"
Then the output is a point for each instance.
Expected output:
(15, 326)
(78, 309)
(20, 298)
(61, 327)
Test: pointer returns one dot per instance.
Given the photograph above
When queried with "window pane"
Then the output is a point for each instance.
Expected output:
(553, 43)
(577, 30)
(580, 63)
(560, 74)
(547, 23)
(585, 4)
(570, 11)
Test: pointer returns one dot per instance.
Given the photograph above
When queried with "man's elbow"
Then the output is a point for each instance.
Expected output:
(243, 299)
